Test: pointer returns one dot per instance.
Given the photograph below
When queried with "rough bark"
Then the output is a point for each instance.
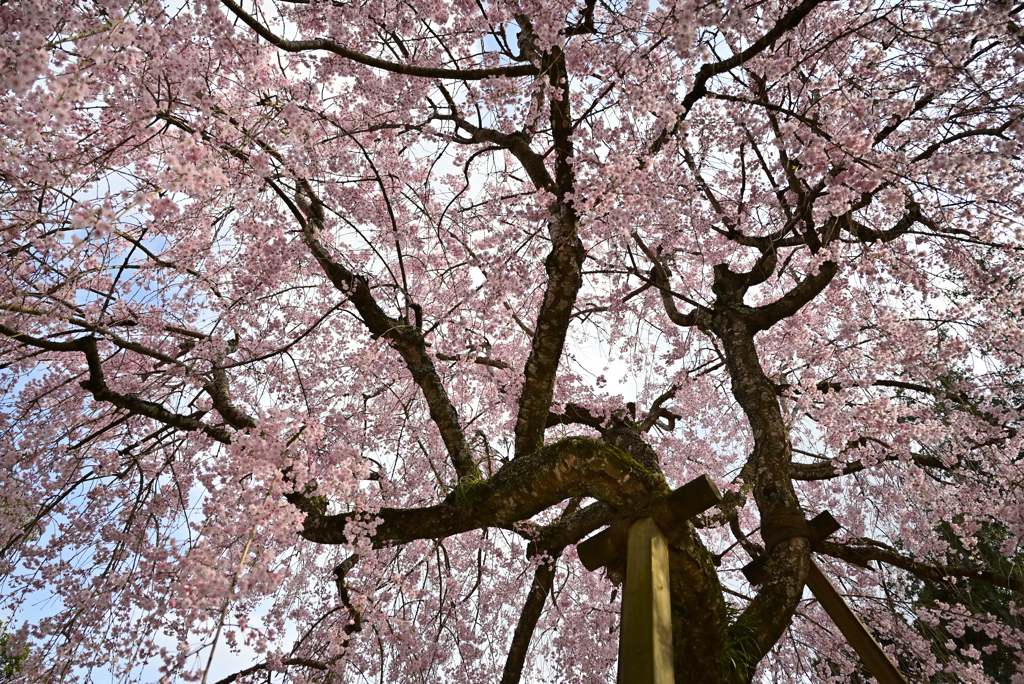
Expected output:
(699, 618)
(572, 467)
(564, 268)
(767, 470)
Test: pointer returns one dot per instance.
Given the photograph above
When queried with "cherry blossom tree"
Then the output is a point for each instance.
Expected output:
(329, 328)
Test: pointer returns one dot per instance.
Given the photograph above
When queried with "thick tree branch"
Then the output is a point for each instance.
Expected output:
(575, 466)
(764, 317)
(308, 210)
(517, 143)
(543, 579)
(96, 384)
(658, 411)
(570, 528)
(769, 614)
(340, 573)
(220, 394)
(786, 22)
(861, 552)
(830, 469)
(303, 662)
(998, 132)
(551, 540)
(406, 339)
(367, 60)
(660, 275)
(575, 414)
(563, 264)
(481, 360)
(918, 106)
(869, 235)
(564, 267)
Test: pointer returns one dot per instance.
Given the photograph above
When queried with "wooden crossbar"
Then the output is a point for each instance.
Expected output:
(693, 498)
(645, 628)
(857, 635)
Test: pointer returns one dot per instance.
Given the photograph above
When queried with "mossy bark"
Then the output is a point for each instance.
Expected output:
(699, 617)
(571, 467)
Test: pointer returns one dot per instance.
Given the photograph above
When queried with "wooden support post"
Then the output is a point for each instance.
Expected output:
(645, 631)
(871, 654)
(693, 498)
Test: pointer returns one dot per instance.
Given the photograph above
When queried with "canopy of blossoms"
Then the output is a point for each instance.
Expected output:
(328, 328)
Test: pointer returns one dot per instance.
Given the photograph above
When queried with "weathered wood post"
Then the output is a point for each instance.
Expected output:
(645, 628)
(870, 652)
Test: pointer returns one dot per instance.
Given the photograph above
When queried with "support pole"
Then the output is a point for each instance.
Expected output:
(645, 632)
(870, 652)
(693, 498)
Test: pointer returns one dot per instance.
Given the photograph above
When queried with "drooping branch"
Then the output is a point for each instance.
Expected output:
(218, 388)
(550, 541)
(96, 385)
(861, 552)
(786, 22)
(407, 339)
(959, 401)
(367, 60)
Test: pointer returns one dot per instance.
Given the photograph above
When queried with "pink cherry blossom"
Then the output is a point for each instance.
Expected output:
(328, 330)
